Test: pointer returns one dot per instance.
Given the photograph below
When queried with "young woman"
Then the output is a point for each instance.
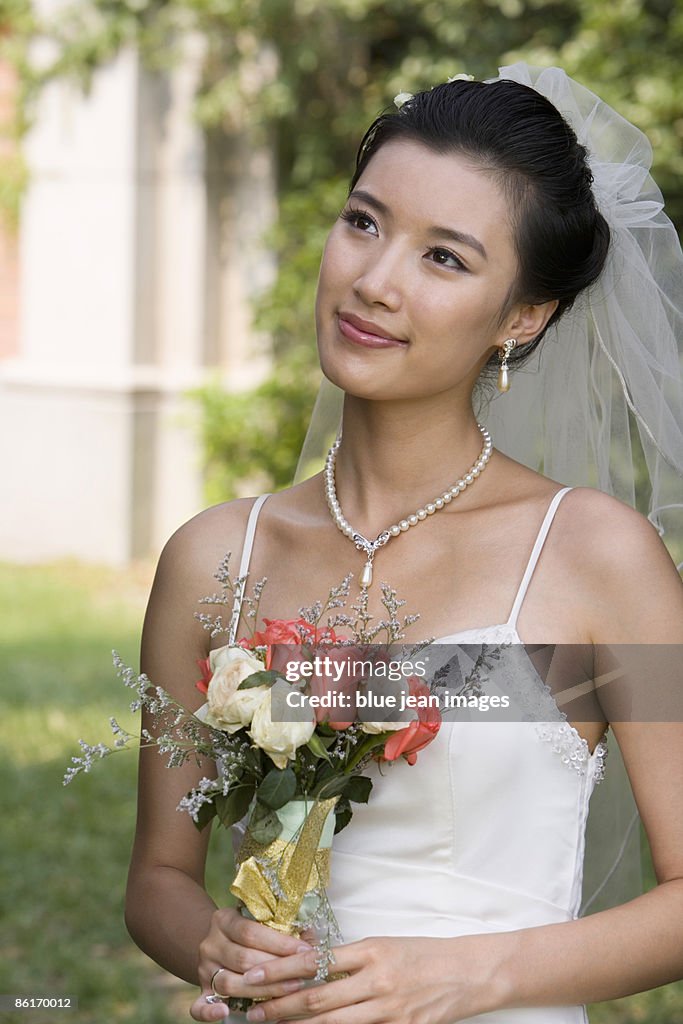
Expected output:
(471, 224)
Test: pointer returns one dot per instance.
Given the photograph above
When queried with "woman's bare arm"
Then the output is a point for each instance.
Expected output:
(168, 911)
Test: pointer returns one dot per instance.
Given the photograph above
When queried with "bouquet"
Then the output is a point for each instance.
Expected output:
(289, 722)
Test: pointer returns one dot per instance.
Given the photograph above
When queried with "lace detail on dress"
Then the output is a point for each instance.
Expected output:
(573, 749)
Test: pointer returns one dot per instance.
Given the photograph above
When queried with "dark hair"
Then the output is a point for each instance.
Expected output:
(516, 135)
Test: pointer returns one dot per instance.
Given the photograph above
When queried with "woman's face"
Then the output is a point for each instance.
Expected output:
(414, 275)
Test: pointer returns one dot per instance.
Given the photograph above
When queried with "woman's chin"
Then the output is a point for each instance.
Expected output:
(360, 385)
(362, 380)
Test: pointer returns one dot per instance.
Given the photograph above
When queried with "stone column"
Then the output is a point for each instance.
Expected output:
(121, 265)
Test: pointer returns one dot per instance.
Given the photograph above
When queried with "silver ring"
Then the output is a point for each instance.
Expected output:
(216, 997)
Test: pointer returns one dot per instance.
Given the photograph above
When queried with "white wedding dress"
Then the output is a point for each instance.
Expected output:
(485, 833)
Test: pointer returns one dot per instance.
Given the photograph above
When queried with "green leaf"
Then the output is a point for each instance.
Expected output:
(264, 824)
(332, 787)
(263, 678)
(207, 812)
(235, 805)
(343, 815)
(358, 789)
(277, 789)
(317, 746)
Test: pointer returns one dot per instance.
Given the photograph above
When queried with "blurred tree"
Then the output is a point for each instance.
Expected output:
(333, 66)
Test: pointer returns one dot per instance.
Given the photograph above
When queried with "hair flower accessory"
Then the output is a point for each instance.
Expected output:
(460, 78)
(401, 98)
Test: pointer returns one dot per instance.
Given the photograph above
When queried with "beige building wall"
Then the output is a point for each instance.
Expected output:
(124, 277)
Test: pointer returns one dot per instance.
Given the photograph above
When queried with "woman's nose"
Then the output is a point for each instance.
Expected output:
(379, 283)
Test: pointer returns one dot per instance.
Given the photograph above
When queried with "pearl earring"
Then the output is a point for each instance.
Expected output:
(503, 378)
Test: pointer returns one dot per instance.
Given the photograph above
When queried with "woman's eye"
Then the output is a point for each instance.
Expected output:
(446, 258)
(359, 219)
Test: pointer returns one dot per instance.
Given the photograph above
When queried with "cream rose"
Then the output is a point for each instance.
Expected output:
(375, 728)
(228, 708)
(389, 695)
(280, 740)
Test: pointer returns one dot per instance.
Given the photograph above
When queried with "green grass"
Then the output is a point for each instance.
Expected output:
(65, 850)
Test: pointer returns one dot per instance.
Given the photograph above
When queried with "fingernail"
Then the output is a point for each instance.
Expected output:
(303, 948)
(253, 976)
(256, 1014)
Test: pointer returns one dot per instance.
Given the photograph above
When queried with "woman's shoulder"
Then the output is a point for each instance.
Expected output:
(203, 541)
(194, 551)
(624, 574)
(607, 531)
(590, 523)
(605, 558)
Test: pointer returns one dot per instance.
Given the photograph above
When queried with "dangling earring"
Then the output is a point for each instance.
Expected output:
(503, 378)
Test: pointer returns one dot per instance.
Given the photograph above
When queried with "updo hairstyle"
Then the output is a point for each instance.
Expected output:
(521, 140)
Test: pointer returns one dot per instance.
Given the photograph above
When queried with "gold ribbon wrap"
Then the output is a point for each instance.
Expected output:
(300, 867)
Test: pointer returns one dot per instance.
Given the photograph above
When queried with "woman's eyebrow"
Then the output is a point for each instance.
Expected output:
(366, 197)
(460, 237)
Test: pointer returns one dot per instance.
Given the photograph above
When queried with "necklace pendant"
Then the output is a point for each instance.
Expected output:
(366, 575)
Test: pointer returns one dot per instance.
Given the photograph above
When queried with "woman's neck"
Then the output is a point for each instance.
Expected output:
(396, 456)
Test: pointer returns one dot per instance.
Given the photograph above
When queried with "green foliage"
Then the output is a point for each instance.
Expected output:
(251, 440)
(265, 428)
(13, 179)
(65, 851)
(278, 788)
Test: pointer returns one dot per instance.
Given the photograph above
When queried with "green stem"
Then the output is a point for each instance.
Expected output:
(365, 748)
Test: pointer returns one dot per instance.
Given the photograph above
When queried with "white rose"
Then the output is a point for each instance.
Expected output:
(228, 708)
(219, 656)
(394, 694)
(280, 740)
(374, 728)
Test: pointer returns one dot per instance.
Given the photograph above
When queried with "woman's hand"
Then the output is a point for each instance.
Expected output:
(237, 944)
(412, 980)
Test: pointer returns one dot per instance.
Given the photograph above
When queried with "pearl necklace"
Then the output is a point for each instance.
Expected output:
(370, 547)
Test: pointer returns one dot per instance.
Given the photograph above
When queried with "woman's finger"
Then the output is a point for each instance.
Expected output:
(246, 932)
(312, 1001)
(227, 984)
(302, 965)
(202, 1010)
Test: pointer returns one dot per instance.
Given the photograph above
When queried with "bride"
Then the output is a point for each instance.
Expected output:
(471, 228)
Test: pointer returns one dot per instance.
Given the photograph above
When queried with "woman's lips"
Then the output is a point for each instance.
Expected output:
(355, 330)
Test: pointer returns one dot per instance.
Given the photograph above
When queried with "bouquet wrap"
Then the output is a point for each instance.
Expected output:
(282, 883)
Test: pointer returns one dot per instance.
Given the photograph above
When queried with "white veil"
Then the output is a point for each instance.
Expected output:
(607, 378)
(605, 383)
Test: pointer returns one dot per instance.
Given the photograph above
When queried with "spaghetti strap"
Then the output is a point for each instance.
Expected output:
(244, 564)
(535, 553)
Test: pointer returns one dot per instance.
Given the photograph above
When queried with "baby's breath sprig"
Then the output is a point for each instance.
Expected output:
(232, 590)
(178, 732)
(392, 627)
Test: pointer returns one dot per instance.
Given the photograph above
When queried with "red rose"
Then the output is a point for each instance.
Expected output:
(288, 631)
(417, 734)
(283, 631)
(203, 684)
(337, 717)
